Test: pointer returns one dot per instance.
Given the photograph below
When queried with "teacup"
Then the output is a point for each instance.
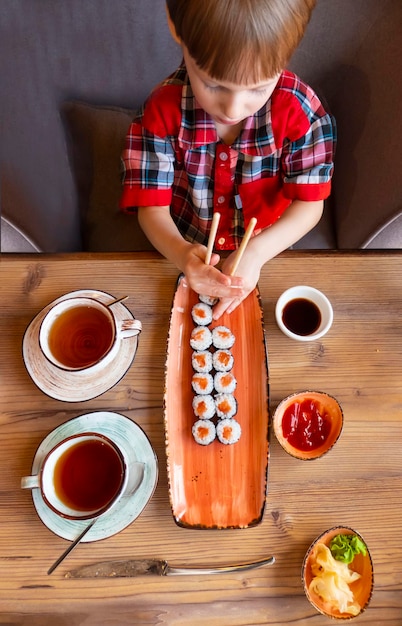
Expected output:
(82, 333)
(304, 313)
(84, 476)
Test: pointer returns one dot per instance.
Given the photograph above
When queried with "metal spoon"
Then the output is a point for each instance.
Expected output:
(71, 547)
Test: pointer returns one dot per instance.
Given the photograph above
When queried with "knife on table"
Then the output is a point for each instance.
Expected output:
(146, 567)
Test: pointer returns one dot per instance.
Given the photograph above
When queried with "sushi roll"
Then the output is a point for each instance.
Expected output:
(211, 300)
(202, 384)
(204, 432)
(226, 405)
(202, 361)
(228, 431)
(201, 338)
(224, 382)
(204, 407)
(222, 360)
(222, 338)
(201, 314)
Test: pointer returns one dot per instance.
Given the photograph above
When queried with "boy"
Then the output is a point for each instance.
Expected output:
(230, 131)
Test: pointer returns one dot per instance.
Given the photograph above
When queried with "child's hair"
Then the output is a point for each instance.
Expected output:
(240, 41)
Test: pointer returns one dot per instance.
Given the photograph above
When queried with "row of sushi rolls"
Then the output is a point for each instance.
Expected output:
(213, 382)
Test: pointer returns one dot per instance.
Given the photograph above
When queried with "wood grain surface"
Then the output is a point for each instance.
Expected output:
(357, 484)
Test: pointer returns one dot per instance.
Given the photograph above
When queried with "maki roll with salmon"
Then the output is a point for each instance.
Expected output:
(201, 314)
(204, 406)
(222, 338)
(200, 338)
(226, 405)
(225, 382)
(202, 384)
(222, 360)
(211, 300)
(202, 361)
(228, 431)
(204, 432)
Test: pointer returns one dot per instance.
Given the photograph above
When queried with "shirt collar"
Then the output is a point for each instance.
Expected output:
(198, 129)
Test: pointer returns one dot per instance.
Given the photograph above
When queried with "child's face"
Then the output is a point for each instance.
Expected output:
(227, 103)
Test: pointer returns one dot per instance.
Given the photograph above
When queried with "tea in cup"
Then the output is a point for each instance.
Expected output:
(85, 475)
(82, 333)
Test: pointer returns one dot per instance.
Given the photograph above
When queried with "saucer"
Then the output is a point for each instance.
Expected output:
(134, 442)
(79, 385)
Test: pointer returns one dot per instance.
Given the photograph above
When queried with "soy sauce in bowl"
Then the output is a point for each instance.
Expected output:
(301, 316)
(304, 313)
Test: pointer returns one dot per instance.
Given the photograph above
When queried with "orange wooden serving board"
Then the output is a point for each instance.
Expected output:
(217, 486)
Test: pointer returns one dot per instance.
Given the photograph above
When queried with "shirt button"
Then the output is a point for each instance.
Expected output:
(221, 199)
(223, 156)
(221, 241)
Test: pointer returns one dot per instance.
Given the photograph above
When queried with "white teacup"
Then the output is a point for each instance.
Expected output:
(82, 333)
(84, 476)
(304, 313)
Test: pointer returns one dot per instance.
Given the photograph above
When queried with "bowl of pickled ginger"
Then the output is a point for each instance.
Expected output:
(337, 573)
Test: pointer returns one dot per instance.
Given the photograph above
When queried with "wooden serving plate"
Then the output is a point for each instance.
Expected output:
(217, 486)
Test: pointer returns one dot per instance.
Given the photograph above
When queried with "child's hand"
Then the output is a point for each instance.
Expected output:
(207, 279)
(249, 269)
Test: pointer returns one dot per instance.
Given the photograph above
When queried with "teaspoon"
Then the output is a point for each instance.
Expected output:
(71, 546)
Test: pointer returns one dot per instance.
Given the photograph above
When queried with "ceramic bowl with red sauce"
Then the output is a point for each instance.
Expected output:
(307, 424)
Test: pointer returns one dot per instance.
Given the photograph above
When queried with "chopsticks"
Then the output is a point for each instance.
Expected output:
(243, 244)
(211, 239)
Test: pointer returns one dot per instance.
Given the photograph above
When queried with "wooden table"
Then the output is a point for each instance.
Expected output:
(359, 483)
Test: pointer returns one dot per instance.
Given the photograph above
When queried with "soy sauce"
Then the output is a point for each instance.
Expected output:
(301, 316)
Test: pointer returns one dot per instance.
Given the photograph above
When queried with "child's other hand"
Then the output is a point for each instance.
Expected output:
(249, 269)
(207, 279)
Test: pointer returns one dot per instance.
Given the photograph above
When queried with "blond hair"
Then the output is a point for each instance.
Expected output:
(240, 41)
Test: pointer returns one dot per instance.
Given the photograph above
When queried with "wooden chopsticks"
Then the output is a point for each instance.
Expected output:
(243, 245)
(211, 240)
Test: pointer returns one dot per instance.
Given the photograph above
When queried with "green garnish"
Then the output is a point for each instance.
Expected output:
(345, 547)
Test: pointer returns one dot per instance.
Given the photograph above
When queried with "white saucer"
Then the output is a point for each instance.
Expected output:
(80, 385)
(134, 442)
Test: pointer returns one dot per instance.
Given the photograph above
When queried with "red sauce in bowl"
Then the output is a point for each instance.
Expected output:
(306, 425)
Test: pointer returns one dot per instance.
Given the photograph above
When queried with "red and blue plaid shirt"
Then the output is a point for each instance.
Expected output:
(174, 157)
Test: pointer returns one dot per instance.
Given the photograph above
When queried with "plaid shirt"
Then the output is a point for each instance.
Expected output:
(174, 157)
